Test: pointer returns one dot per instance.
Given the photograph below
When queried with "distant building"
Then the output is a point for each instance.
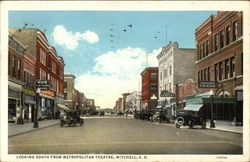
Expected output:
(69, 91)
(125, 107)
(133, 101)
(149, 91)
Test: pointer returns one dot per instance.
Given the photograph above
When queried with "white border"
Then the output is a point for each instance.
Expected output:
(125, 6)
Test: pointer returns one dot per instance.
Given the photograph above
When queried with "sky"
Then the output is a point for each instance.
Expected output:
(107, 50)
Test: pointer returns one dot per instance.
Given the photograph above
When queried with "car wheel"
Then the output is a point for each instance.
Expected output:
(177, 125)
(203, 125)
(180, 121)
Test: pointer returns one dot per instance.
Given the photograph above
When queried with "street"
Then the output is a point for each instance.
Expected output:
(120, 135)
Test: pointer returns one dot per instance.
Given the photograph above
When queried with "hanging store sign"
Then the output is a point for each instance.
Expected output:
(166, 93)
(208, 84)
(42, 84)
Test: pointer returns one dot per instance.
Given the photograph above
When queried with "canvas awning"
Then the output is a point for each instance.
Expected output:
(193, 107)
(64, 107)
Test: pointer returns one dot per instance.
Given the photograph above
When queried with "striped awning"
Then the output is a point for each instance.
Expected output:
(64, 107)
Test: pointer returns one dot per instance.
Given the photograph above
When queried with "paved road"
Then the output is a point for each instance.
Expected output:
(125, 136)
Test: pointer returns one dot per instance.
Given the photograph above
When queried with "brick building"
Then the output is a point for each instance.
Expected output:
(149, 91)
(69, 91)
(48, 65)
(15, 78)
(219, 41)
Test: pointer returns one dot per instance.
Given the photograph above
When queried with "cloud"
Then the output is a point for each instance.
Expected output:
(70, 40)
(114, 73)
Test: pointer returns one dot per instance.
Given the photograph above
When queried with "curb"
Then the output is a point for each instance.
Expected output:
(32, 130)
(224, 130)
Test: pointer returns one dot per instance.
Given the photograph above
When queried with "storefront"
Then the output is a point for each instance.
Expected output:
(47, 104)
(14, 101)
(29, 105)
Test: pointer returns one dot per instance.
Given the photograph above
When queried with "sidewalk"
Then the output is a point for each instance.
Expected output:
(219, 125)
(226, 126)
(17, 129)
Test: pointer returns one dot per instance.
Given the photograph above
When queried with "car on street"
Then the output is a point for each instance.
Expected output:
(71, 118)
(189, 118)
(159, 116)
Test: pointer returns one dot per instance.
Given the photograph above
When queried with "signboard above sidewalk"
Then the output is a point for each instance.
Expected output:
(42, 84)
(208, 84)
(166, 93)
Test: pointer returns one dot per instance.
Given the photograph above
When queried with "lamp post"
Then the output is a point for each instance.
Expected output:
(212, 124)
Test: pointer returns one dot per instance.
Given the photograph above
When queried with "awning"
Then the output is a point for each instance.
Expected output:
(193, 107)
(238, 88)
(64, 107)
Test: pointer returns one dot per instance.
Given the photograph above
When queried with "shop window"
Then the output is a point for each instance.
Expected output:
(235, 30)
(227, 65)
(221, 39)
(227, 35)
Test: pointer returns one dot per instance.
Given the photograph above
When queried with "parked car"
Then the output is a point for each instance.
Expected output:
(101, 113)
(189, 118)
(71, 118)
(120, 113)
(159, 117)
(146, 114)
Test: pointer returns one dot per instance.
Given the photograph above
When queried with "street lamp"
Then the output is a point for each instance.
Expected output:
(212, 124)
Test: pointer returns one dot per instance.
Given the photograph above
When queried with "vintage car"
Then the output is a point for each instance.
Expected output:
(159, 116)
(71, 118)
(189, 118)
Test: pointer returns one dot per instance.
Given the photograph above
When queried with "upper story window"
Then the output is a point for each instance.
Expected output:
(221, 39)
(170, 71)
(153, 87)
(216, 70)
(200, 51)
(65, 84)
(228, 35)
(235, 30)
(207, 46)
(220, 71)
(53, 67)
(153, 76)
(232, 67)
(215, 42)
(42, 57)
(227, 68)
(208, 73)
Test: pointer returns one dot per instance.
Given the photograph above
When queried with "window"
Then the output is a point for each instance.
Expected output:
(170, 87)
(42, 57)
(221, 39)
(208, 73)
(207, 45)
(205, 74)
(153, 76)
(203, 50)
(227, 66)
(65, 96)
(220, 71)
(161, 75)
(199, 76)
(200, 51)
(170, 71)
(202, 75)
(165, 73)
(215, 42)
(227, 35)
(232, 67)
(53, 67)
(235, 30)
(216, 76)
(65, 84)
(153, 87)
(13, 67)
